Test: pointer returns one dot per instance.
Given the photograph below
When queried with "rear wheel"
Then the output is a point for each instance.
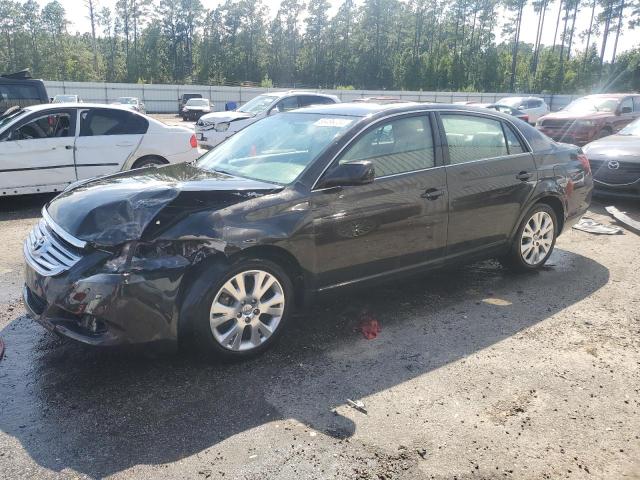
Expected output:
(245, 311)
(534, 240)
(147, 161)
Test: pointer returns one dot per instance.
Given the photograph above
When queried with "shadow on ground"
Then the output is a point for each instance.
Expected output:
(102, 411)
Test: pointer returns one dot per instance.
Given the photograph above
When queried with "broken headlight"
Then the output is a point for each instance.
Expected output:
(221, 127)
(140, 256)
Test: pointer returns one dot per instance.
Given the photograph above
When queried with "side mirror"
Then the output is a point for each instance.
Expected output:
(625, 110)
(349, 174)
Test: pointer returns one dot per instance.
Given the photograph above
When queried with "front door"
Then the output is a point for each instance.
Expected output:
(490, 176)
(395, 223)
(38, 152)
(108, 138)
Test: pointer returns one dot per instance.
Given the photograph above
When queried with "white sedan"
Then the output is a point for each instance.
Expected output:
(535, 107)
(44, 148)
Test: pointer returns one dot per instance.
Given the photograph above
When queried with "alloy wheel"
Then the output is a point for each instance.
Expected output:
(247, 310)
(537, 238)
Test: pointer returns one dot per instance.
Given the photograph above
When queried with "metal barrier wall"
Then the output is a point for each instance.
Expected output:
(164, 98)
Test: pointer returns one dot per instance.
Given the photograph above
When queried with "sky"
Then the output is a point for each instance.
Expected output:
(76, 13)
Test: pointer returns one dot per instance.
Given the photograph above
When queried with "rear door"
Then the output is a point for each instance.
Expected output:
(397, 222)
(38, 152)
(490, 176)
(108, 138)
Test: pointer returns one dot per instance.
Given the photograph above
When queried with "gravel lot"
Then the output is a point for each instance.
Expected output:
(477, 373)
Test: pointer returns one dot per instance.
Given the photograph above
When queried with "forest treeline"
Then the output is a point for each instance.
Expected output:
(374, 44)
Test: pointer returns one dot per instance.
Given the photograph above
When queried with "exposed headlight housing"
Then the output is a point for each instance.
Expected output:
(221, 127)
(141, 256)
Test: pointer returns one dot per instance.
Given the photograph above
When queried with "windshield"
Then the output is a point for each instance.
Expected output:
(590, 105)
(278, 148)
(5, 121)
(258, 104)
(632, 129)
(197, 102)
(513, 102)
(127, 100)
(64, 98)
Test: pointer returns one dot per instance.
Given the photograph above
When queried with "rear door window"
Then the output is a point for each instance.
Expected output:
(473, 138)
(399, 146)
(627, 103)
(111, 122)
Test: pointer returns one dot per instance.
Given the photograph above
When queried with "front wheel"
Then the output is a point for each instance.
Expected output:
(245, 310)
(534, 240)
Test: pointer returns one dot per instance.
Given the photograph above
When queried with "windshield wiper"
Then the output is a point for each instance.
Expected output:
(224, 172)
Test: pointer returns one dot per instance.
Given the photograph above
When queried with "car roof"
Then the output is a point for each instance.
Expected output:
(362, 109)
(611, 95)
(287, 93)
(47, 106)
(519, 97)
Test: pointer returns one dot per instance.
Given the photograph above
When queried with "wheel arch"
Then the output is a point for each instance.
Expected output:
(554, 200)
(139, 160)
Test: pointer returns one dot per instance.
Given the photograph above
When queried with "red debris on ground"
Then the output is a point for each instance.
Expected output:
(369, 326)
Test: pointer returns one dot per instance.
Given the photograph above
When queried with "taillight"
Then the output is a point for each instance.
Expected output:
(584, 161)
(193, 141)
(525, 118)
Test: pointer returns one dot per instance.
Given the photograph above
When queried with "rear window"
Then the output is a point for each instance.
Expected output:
(18, 94)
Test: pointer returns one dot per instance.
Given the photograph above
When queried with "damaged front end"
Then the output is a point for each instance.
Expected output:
(100, 284)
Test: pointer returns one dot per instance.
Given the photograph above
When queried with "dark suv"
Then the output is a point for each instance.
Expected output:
(21, 90)
(298, 203)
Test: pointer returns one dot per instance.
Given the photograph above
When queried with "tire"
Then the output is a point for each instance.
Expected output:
(523, 256)
(148, 161)
(229, 326)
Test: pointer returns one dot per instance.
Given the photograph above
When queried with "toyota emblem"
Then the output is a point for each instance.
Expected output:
(613, 165)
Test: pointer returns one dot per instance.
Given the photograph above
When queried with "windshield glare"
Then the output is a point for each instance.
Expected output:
(5, 121)
(197, 102)
(590, 105)
(258, 104)
(632, 129)
(278, 148)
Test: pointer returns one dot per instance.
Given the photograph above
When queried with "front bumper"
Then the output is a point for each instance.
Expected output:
(105, 309)
(574, 136)
(210, 138)
(629, 190)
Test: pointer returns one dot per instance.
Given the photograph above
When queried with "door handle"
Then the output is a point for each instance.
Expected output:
(523, 176)
(69, 147)
(432, 193)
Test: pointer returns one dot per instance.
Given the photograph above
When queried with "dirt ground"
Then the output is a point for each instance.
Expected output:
(477, 373)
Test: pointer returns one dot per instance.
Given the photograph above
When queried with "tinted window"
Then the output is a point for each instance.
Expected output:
(626, 103)
(306, 100)
(399, 146)
(513, 142)
(535, 103)
(51, 125)
(636, 104)
(286, 104)
(473, 138)
(18, 94)
(111, 122)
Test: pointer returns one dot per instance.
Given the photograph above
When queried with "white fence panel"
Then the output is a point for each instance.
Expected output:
(164, 98)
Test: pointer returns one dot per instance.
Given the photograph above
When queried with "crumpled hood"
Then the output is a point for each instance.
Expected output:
(614, 146)
(117, 208)
(217, 117)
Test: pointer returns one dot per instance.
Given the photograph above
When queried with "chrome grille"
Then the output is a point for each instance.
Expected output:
(47, 253)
